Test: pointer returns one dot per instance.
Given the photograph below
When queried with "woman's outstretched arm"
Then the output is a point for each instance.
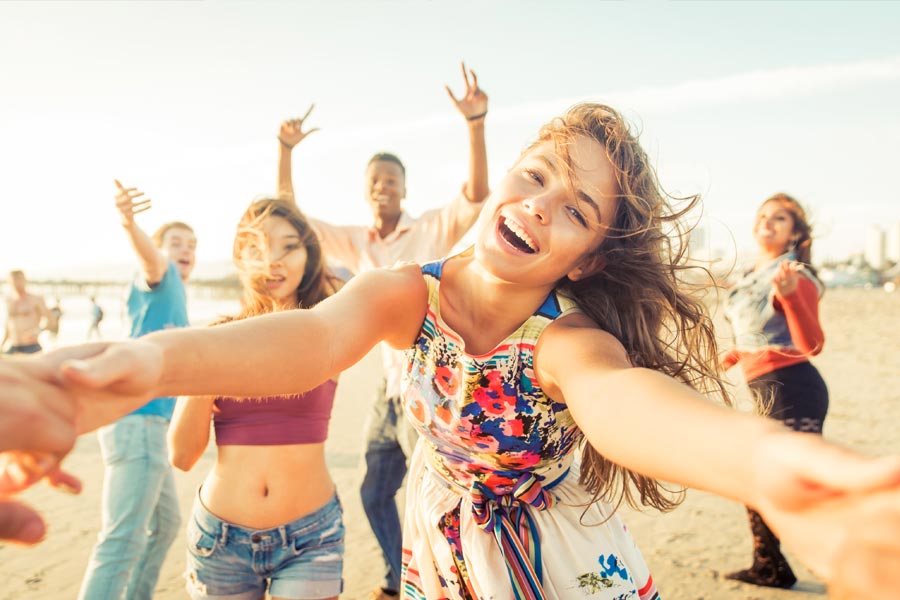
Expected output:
(645, 420)
(278, 353)
(809, 491)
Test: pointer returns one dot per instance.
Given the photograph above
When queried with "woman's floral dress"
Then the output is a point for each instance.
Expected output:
(494, 505)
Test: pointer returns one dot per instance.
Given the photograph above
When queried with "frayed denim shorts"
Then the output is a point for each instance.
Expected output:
(300, 560)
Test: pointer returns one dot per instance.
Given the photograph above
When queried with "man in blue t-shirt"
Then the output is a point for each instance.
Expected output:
(140, 509)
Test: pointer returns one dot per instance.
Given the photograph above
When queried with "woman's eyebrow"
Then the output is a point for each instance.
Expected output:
(581, 194)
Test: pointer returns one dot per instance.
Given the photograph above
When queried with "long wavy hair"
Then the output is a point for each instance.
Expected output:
(641, 295)
(318, 282)
(802, 226)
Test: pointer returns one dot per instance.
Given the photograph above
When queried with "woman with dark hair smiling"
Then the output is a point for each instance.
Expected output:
(270, 499)
(774, 312)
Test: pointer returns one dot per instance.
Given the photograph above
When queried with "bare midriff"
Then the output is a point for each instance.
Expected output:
(261, 487)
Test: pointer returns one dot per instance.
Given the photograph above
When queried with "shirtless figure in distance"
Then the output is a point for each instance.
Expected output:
(26, 315)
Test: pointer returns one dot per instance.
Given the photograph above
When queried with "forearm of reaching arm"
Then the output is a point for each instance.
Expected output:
(278, 353)
(652, 424)
(153, 264)
(285, 173)
(801, 310)
(293, 351)
(647, 421)
(477, 185)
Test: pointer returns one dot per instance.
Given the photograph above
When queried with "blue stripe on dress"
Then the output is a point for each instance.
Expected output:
(434, 268)
(550, 309)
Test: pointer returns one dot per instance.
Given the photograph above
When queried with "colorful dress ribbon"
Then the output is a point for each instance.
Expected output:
(515, 530)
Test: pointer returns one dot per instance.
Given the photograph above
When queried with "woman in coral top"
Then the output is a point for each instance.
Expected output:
(266, 521)
(774, 314)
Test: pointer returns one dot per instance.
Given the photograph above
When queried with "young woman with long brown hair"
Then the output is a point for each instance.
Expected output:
(267, 518)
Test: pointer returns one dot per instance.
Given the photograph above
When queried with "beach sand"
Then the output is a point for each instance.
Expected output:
(688, 550)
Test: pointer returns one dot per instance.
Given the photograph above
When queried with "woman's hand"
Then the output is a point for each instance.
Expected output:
(291, 132)
(473, 104)
(19, 470)
(38, 427)
(35, 413)
(50, 399)
(839, 511)
(109, 383)
(787, 278)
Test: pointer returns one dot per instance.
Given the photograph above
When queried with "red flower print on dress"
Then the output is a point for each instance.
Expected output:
(495, 399)
(498, 483)
(446, 382)
(513, 427)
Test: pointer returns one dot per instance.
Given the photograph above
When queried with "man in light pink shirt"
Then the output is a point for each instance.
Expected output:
(394, 236)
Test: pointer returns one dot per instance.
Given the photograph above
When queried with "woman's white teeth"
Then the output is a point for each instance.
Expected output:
(521, 233)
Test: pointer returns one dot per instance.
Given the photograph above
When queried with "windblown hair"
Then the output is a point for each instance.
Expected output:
(640, 295)
(803, 246)
(160, 233)
(317, 283)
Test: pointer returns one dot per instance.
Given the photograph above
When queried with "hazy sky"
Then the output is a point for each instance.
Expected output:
(183, 99)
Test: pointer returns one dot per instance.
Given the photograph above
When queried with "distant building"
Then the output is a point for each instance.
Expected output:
(875, 248)
(698, 244)
(893, 243)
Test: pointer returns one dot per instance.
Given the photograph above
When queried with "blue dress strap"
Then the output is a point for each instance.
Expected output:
(434, 268)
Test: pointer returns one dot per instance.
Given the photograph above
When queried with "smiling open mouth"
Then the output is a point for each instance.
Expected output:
(516, 236)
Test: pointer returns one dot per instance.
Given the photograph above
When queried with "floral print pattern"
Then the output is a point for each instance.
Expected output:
(486, 417)
(485, 422)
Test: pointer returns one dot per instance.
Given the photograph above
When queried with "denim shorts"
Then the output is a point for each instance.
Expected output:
(302, 559)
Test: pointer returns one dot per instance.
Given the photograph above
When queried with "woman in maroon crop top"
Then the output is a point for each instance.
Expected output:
(269, 500)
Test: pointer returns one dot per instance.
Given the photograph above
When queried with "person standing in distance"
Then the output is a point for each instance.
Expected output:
(26, 316)
(774, 313)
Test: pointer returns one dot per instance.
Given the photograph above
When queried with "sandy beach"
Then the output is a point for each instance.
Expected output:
(688, 550)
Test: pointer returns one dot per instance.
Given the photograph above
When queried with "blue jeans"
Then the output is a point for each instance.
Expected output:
(140, 511)
(390, 440)
(300, 559)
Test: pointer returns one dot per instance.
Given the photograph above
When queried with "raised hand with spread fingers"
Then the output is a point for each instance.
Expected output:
(473, 104)
(291, 131)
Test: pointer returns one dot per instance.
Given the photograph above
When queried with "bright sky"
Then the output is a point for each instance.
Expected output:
(183, 100)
